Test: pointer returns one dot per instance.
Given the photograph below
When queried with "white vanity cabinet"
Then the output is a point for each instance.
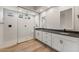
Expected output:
(44, 37)
(65, 43)
(36, 34)
(57, 42)
(47, 38)
(70, 46)
(39, 35)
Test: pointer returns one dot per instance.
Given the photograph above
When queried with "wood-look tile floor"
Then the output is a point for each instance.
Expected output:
(29, 46)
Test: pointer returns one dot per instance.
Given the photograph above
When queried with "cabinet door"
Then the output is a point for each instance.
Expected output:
(64, 44)
(44, 37)
(57, 42)
(70, 46)
(40, 35)
(37, 34)
(49, 37)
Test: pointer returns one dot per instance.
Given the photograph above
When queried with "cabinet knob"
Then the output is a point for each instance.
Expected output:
(61, 41)
(25, 25)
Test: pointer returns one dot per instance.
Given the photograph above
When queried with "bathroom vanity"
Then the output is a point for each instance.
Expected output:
(64, 41)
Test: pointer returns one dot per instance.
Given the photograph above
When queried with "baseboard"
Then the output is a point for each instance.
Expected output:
(23, 40)
(8, 44)
(47, 45)
(11, 44)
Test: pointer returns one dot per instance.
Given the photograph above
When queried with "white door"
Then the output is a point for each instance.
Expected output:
(10, 27)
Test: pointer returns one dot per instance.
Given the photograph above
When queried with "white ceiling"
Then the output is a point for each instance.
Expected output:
(36, 8)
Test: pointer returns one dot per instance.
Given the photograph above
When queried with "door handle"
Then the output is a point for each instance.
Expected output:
(9, 26)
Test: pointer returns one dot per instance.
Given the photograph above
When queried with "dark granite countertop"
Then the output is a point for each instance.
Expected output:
(61, 32)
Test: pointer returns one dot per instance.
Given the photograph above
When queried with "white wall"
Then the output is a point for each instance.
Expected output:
(54, 21)
(66, 19)
(14, 8)
(1, 34)
(63, 8)
(1, 15)
(1, 26)
(43, 23)
(37, 21)
(53, 18)
(76, 18)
